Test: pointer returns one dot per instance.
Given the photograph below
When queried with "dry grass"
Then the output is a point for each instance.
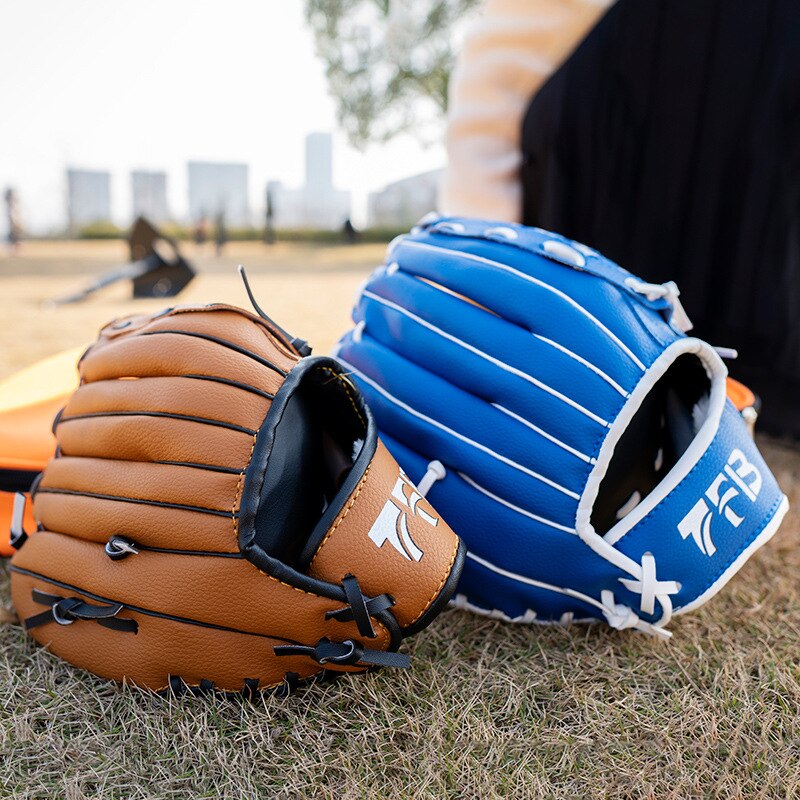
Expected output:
(488, 710)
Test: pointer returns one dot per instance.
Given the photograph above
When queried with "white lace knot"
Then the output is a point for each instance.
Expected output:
(651, 588)
(668, 291)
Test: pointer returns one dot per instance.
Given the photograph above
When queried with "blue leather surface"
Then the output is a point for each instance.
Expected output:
(480, 349)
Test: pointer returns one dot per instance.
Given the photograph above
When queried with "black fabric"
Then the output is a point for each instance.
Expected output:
(670, 141)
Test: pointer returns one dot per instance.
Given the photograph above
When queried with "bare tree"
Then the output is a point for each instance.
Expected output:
(388, 62)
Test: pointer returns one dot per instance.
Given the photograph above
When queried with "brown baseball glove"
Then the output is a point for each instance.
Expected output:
(220, 514)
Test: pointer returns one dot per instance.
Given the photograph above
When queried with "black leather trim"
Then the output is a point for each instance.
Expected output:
(198, 553)
(207, 467)
(186, 417)
(223, 342)
(254, 482)
(117, 498)
(332, 591)
(449, 588)
(347, 488)
(256, 471)
(245, 387)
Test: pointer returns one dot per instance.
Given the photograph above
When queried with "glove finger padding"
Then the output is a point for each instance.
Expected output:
(221, 513)
(593, 465)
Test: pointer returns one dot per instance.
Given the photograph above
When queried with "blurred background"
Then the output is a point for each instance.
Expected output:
(296, 138)
(183, 112)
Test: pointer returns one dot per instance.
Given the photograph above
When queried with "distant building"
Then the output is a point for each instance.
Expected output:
(150, 195)
(88, 197)
(216, 188)
(317, 204)
(404, 202)
(319, 162)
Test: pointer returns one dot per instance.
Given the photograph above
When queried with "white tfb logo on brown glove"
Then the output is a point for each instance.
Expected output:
(738, 477)
(392, 523)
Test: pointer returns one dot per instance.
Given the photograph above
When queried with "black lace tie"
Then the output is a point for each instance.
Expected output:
(66, 610)
(347, 652)
(359, 607)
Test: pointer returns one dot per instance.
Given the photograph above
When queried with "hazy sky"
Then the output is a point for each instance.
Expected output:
(123, 84)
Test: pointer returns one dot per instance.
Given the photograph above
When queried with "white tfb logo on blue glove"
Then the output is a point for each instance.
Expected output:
(738, 477)
(392, 523)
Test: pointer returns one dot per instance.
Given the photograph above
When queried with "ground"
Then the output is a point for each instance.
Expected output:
(488, 710)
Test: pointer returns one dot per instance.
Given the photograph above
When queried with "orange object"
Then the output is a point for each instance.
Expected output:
(29, 400)
(740, 395)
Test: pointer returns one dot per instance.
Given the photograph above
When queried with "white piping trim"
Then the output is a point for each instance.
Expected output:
(769, 531)
(477, 445)
(452, 293)
(472, 257)
(529, 514)
(607, 378)
(536, 584)
(550, 437)
(461, 602)
(616, 615)
(491, 359)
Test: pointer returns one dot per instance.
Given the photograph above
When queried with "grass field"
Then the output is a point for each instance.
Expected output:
(488, 710)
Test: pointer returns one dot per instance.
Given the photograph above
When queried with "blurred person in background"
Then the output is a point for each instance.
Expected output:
(220, 233)
(13, 220)
(200, 232)
(666, 135)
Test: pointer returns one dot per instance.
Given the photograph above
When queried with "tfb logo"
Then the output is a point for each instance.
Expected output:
(737, 478)
(392, 523)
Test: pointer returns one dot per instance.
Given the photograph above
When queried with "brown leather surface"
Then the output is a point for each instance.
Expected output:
(157, 482)
(154, 439)
(228, 592)
(170, 355)
(175, 395)
(160, 648)
(386, 569)
(223, 321)
(110, 478)
(96, 520)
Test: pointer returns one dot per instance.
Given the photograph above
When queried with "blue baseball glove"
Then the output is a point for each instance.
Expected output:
(563, 422)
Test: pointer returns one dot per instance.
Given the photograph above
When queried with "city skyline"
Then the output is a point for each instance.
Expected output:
(220, 188)
(136, 89)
